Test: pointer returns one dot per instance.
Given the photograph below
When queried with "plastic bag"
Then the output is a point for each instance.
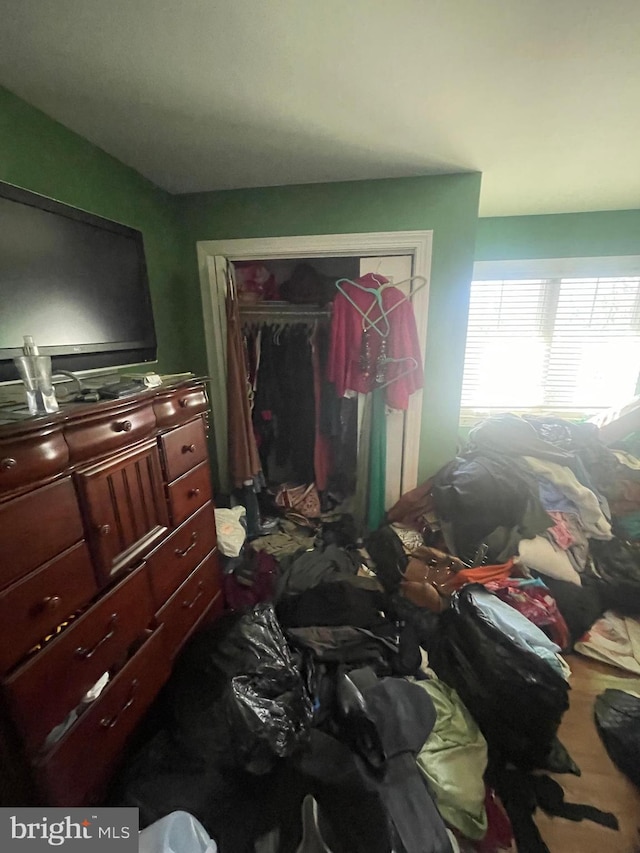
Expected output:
(254, 281)
(302, 499)
(617, 716)
(231, 532)
(516, 698)
(178, 832)
(268, 705)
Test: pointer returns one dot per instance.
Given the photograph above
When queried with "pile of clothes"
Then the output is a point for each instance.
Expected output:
(545, 499)
(397, 695)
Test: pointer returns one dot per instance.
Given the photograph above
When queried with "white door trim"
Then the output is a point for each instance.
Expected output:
(415, 243)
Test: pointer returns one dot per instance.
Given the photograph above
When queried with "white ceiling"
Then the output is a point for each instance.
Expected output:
(541, 96)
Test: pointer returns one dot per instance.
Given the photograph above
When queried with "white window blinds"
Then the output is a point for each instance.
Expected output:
(570, 344)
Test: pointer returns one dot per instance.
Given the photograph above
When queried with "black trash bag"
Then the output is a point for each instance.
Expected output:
(194, 762)
(580, 606)
(488, 499)
(617, 715)
(516, 698)
(269, 708)
(616, 576)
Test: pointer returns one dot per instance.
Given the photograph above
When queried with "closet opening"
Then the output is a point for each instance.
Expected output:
(285, 293)
(311, 372)
(306, 435)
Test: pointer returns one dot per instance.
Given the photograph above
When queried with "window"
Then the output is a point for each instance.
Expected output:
(569, 344)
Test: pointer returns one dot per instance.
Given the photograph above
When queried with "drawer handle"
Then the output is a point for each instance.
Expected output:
(188, 448)
(51, 602)
(122, 426)
(182, 552)
(183, 402)
(189, 604)
(193, 493)
(110, 722)
(7, 464)
(87, 654)
(103, 529)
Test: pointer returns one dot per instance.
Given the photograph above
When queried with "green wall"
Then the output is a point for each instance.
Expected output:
(41, 155)
(448, 204)
(559, 235)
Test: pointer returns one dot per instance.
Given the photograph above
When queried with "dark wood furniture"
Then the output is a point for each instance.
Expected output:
(108, 562)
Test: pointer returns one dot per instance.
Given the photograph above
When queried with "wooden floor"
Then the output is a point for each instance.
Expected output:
(601, 783)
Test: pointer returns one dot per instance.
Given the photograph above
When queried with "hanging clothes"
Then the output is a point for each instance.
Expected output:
(244, 460)
(284, 411)
(362, 358)
(377, 461)
(322, 450)
(295, 440)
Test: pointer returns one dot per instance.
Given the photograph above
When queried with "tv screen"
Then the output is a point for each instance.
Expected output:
(75, 282)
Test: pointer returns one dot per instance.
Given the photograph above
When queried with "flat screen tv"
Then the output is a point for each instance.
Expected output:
(75, 282)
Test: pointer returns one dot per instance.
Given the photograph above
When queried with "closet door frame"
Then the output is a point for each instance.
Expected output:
(213, 259)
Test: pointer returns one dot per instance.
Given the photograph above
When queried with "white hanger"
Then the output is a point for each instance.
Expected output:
(409, 358)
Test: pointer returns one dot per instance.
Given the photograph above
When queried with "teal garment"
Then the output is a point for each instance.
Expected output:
(454, 760)
(361, 497)
(377, 461)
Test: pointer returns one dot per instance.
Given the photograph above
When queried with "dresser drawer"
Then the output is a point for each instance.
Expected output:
(179, 406)
(36, 527)
(171, 563)
(32, 607)
(125, 507)
(31, 457)
(184, 609)
(96, 435)
(189, 493)
(79, 767)
(43, 690)
(183, 448)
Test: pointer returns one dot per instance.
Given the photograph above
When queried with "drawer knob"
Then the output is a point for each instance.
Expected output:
(103, 529)
(189, 604)
(110, 722)
(182, 552)
(123, 426)
(188, 448)
(183, 402)
(51, 602)
(7, 464)
(193, 493)
(85, 653)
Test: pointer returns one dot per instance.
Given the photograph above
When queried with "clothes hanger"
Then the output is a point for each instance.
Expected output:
(407, 296)
(376, 292)
(412, 293)
(409, 358)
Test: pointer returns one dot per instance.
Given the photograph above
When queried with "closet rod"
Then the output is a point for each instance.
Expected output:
(272, 310)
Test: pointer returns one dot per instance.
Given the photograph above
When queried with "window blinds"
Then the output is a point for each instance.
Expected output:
(553, 343)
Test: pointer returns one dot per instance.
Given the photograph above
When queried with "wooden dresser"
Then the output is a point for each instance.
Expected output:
(108, 562)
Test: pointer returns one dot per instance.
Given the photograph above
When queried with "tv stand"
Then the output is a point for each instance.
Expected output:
(109, 562)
